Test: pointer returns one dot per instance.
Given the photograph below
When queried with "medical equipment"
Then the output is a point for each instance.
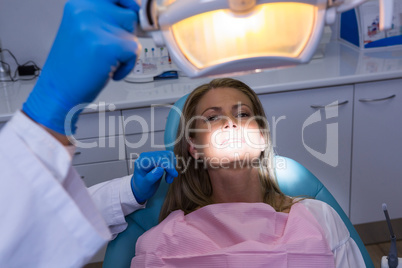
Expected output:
(151, 68)
(217, 37)
(4, 68)
(391, 260)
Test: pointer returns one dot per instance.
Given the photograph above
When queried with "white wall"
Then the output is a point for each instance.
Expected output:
(28, 28)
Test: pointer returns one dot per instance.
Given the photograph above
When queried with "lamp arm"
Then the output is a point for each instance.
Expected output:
(386, 10)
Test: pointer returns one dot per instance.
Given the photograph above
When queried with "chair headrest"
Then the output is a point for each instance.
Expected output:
(172, 123)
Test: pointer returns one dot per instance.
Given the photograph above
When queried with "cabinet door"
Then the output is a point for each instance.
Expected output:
(316, 136)
(377, 151)
(142, 120)
(101, 124)
(100, 150)
(99, 172)
(145, 142)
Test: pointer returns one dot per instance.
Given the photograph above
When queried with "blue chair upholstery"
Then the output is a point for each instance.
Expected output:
(294, 180)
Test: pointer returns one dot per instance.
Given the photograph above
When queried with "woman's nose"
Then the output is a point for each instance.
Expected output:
(230, 123)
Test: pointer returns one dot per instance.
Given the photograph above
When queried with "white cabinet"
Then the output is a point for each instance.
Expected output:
(108, 143)
(100, 124)
(377, 151)
(100, 147)
(100, 150)
(317, 137)
(99, 172)
(142, 120)
(144, 130)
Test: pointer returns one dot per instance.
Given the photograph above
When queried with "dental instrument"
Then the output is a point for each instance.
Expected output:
(392, 259)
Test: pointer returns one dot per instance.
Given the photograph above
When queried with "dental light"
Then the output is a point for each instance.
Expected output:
(212, 37)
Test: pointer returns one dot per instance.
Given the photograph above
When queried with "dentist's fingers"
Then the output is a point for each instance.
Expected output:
(155, 175)
(171, 173)
(124, 49)
(122, 17)
(130, 4)
(148, 172)
(124, 68)
(127, 59)
(109, 11)
(149, 160)
(170, 167)
(169, 179)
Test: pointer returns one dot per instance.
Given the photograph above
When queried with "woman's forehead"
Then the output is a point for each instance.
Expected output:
(222, 97)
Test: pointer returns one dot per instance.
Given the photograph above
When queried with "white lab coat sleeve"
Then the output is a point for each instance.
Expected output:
(48, 218)
(345, 249)
(115, 199)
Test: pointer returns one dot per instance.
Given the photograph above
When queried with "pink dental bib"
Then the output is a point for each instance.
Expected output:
(235, 235)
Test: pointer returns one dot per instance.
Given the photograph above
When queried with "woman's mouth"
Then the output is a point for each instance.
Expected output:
(230, 141)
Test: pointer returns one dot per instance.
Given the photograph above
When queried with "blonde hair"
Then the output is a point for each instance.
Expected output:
(192, 189)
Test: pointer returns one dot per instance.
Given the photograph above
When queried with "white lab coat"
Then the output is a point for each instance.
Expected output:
(48, 218)
(115, 200)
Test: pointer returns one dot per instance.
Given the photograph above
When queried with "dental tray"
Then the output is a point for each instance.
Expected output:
(151, 69)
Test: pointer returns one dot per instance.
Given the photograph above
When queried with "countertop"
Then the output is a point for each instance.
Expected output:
(341, 64)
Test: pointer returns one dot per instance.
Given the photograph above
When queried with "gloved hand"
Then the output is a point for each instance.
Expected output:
(93, 43)
(148, 171)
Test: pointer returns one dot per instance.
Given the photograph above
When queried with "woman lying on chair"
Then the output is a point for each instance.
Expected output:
(225, 208)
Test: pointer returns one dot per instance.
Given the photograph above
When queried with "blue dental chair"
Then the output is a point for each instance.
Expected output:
(295, 180)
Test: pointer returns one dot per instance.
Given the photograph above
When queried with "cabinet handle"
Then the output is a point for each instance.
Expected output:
(332, 105)
(77, 153)
(82, 177)
(380, 99)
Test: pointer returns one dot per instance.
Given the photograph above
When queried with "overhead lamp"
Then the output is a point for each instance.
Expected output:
(214, 37)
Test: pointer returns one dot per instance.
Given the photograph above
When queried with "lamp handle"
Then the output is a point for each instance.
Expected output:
(386, 10)
(386, 14)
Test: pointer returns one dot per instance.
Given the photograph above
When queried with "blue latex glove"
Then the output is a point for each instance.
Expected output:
(94, 42)
(148, 171)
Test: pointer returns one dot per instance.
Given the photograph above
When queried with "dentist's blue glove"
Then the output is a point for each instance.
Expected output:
(94, 42)
(148, 171)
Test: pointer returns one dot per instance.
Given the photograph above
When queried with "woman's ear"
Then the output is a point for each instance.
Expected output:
(191, 148)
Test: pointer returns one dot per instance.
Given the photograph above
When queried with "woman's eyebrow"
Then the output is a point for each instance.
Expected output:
(212, 108)
(234, 107)
(237, 106)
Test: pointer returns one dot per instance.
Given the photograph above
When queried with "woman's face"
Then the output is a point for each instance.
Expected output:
(225, 128)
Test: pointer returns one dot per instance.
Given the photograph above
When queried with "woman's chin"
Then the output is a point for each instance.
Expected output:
(231, 159)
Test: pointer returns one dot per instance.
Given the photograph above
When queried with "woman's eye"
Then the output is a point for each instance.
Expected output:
(243, 115)
(212, 118)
